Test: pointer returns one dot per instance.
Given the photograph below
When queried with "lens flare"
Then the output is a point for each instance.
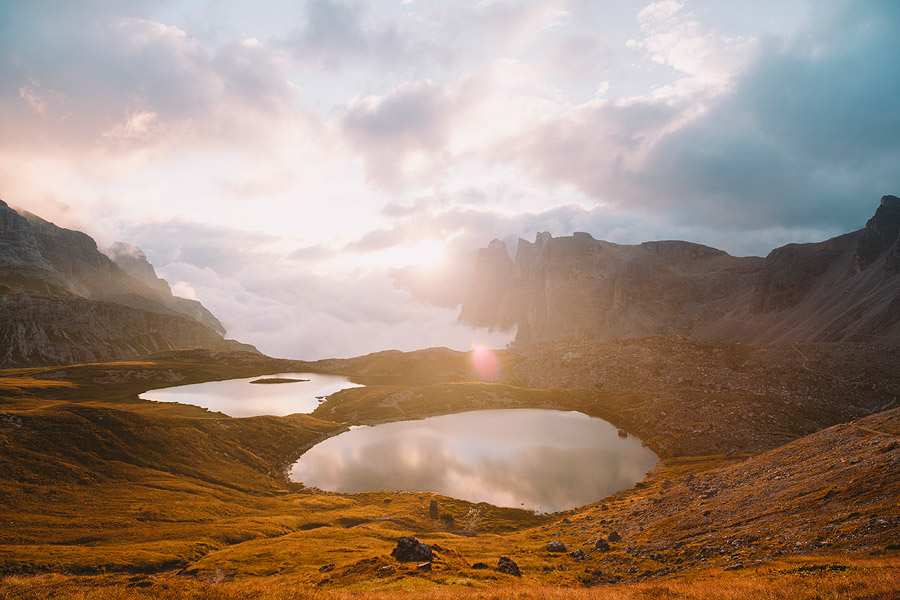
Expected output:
(485, 362)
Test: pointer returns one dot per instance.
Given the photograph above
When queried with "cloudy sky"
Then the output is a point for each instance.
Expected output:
(298, 166)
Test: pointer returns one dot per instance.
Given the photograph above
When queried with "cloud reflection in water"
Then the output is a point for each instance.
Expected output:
(537, 459)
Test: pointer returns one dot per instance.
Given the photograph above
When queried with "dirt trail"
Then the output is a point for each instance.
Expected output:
(870, 430)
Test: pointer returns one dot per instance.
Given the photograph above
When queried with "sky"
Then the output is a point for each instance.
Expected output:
(321, 173)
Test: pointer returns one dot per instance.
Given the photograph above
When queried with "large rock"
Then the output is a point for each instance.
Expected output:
(410, 549)
(556, 546)
(508, 566)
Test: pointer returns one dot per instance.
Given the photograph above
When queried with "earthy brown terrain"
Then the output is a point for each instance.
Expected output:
(105, 495)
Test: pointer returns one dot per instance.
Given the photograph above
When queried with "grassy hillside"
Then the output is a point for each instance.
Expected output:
(103, 495)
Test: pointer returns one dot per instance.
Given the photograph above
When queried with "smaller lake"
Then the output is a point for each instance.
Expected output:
(240, 398)
(542, 460)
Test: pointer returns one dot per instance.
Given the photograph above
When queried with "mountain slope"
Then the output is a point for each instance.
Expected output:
(843, 289)
(63, 301)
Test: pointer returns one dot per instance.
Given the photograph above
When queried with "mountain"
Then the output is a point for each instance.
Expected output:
(843, 289)
(64, 301)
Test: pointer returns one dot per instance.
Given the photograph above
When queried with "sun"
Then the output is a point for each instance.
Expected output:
(428, 253)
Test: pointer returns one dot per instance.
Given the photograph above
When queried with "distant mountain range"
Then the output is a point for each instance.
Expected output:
(63, 301)
(843, 289)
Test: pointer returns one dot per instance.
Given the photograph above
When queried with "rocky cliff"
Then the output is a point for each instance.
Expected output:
(845, 288)
(63, 301)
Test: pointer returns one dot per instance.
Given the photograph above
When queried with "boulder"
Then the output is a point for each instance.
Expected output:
(412, 550)
(556, 546)
(508, 566)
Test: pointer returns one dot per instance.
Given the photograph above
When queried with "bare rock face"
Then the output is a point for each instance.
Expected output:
(843, 289)
(133, 261)
(881, 234)
(63, 301)
(484, 306)
(130, 259)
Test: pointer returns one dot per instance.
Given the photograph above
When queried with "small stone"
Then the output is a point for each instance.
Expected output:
(601, 545)
(425, 567)
(614, 537)
(577, 555)
(480, 566)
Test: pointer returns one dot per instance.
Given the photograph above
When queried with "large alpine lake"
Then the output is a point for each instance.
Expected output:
(240, 398)
(542, 460)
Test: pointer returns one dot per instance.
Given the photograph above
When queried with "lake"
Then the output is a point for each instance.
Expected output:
(240, 398)
(542, 460)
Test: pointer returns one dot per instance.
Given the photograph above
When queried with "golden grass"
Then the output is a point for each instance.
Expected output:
(145, 500)
(12, 384)
(798, 579)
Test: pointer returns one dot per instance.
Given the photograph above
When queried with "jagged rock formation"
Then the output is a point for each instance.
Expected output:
(843, 289)
(132, 260)
(62, 301)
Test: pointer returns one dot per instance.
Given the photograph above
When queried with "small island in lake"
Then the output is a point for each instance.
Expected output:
(277, 380)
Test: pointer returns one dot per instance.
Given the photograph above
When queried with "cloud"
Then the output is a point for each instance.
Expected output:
(292, 305)
(707, 61)
(336, 33)
(407, 132)
(224, 250)
(133, 85)
(299, 314)
(803, 136)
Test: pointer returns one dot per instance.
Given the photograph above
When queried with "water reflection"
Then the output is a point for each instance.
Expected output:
(240, 398)
(537, 459)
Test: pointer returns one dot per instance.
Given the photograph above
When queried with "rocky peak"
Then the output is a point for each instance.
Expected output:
(133, 261)
(63, 301)
(682, 251)
(490, 281)
(18, 246)
(886, 221)
(880, 236)
(578, 287)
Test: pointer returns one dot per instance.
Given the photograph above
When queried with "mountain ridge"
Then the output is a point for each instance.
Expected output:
(64, 301)
(842, 289)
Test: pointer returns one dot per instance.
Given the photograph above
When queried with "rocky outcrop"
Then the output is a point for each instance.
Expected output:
(63, 301)
(40, 330)
(880, 235)
(843, 289)
(487, 303)
(130, 259)
(508, 566)
(410, 549)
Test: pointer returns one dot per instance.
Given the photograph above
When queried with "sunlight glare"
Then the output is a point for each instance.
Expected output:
(485, 363)
(424, 254)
